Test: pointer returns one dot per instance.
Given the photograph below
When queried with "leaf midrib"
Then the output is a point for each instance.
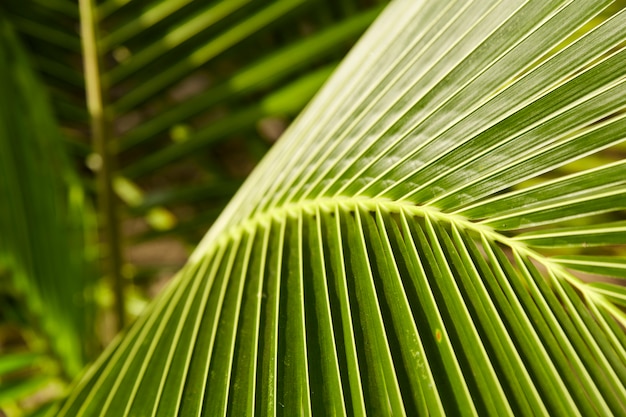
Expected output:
(349, 204)
(373, 204)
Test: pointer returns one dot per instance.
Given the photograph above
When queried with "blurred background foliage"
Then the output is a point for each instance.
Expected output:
(182, 99)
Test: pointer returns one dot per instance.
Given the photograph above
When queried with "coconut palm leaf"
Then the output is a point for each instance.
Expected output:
(391, 255)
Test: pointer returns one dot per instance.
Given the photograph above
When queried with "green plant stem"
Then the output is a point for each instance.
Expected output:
(100, 127)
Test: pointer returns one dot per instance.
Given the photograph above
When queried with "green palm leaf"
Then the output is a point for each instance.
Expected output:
(390, 255)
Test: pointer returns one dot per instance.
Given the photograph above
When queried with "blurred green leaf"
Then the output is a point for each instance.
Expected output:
(46, 236)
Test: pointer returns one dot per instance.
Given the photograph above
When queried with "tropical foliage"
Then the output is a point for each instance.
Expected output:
(44, 223)
(243, 69)
(441, 231)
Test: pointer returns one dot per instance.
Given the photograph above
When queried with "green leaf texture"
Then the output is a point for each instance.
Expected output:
(400, 250)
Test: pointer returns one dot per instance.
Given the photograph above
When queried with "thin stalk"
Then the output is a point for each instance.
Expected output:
(100, 131)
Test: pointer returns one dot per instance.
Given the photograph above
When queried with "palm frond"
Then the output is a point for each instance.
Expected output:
(389, 256)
